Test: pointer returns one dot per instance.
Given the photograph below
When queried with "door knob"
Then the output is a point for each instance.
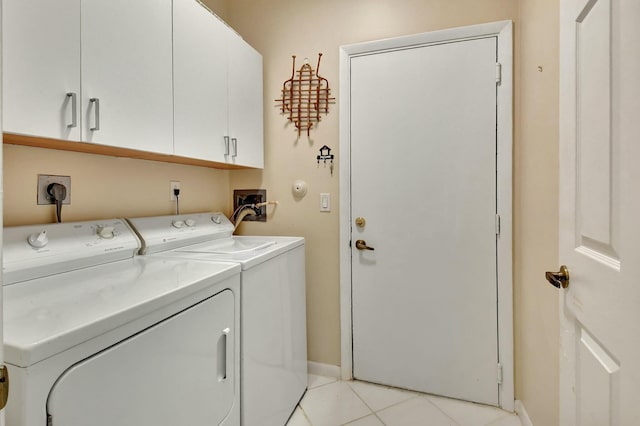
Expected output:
(362, 245)
(559, 279)
(360, 221)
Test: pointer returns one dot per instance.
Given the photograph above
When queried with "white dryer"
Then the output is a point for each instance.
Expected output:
(273, 304)
(96, 336)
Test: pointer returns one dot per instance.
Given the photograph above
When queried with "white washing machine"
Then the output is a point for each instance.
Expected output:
(273, 304)
(96, 336)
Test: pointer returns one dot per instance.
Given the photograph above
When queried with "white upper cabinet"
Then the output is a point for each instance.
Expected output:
(245, 103)
(41, 68)
(160, 76)
(200, 82)
(127, 74)
(217, 90)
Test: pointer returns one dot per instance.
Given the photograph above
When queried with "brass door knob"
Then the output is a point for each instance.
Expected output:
(362, 245)
(360, 221)
(559, 279)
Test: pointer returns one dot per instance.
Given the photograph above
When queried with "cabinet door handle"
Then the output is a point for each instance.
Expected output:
(234, 141)
(226, 145)
(74, 109)
(96, 113)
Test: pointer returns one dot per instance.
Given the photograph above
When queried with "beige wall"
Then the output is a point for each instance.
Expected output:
(104, 187)
(536, 211)
(281, 28)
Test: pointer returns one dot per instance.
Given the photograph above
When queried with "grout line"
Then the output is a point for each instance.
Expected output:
(426, 397)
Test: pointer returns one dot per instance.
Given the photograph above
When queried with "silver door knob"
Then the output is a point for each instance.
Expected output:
(362, 245)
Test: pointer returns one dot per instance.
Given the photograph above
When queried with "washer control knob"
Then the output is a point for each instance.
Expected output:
(106, 232)
(190, 222)
(38, 240)
(216, 219)
(177, 223)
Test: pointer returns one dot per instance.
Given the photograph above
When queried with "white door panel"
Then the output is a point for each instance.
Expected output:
(200, 82)
(180, 371)
(599, 207)
(423, 175)
(41, 64)
(127, 65)
(245, 103)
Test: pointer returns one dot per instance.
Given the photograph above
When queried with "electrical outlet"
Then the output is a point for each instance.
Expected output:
(174, 184)
(43, 197)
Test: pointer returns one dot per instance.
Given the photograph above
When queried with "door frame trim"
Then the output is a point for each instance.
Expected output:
(503, 30)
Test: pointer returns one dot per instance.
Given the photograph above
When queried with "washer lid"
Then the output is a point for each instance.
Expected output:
(48, 315)
(247, 250)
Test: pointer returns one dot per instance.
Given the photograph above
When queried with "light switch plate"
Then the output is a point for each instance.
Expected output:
(325, 202)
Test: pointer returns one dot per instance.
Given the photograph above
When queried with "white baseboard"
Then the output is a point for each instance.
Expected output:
(320, 369)
(522, 413)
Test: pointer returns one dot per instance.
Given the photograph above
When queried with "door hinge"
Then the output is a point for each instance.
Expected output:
(499, 373)
(498, 73)
(498, 225)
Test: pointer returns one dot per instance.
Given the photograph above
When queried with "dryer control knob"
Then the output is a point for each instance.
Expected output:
(106, 232)
(190, 222)
(38, 240)
(216, 219)
(177, 223)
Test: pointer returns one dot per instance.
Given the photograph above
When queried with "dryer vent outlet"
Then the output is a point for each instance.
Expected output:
(251, 196)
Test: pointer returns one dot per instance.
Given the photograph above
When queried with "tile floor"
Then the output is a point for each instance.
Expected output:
(331, 402)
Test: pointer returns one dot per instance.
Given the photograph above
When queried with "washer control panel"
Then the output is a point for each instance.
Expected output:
(161, 233)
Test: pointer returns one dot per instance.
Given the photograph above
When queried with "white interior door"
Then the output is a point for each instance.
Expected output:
(599, 211)
(423, 177)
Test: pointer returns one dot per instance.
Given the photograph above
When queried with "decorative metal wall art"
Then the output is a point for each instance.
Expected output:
(305, 96)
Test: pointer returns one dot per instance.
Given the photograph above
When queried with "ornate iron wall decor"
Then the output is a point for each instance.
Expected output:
(305, 96)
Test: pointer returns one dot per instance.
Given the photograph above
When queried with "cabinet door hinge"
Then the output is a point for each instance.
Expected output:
(499, 373)
(498, 73)
(498, 225)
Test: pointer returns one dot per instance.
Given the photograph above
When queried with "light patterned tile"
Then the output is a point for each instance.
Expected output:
(508, 420)
(298, 418)
(315, 381)
(467, 413)
(371, 420)
(415, 412)
(333, 404)
(378, 397)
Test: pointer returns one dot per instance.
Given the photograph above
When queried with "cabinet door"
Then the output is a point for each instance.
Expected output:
(127, 67)
(200, 82)
(178, 372)
(245, 103)
(41, 64)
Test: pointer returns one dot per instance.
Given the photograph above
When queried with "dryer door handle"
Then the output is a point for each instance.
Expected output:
(222, 355)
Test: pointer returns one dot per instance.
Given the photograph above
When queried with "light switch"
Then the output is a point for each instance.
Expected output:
(325, 202)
